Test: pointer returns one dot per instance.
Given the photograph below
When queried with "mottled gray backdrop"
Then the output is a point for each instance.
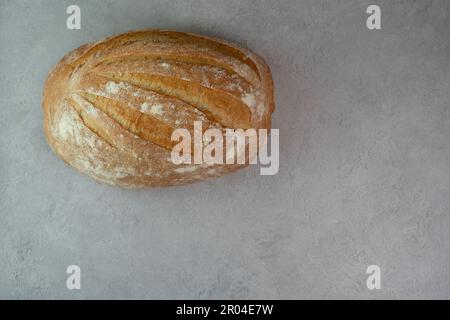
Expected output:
(364, 119)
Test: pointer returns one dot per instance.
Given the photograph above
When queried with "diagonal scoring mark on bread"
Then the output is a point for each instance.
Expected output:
(140, 124)
(224, 48)
(185, 57)
(183, 39)
(173, 38)
(208, 75)
(89, 121)
(217, 105)
(175, 112)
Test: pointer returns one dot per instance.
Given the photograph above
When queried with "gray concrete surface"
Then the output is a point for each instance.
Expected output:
(364, 119)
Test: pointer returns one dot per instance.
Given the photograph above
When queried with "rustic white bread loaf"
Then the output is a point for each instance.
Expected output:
(110, 107)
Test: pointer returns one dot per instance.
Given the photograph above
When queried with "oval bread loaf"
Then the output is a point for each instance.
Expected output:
(110, 107)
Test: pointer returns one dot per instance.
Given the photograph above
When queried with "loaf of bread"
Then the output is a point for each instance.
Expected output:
(111, 106)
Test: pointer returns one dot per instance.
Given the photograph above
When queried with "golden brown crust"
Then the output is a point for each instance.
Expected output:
(110, 107)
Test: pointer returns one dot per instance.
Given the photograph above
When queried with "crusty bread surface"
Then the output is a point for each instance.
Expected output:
(111, 106)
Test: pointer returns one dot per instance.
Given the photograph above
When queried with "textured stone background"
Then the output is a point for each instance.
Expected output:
(364, 120)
